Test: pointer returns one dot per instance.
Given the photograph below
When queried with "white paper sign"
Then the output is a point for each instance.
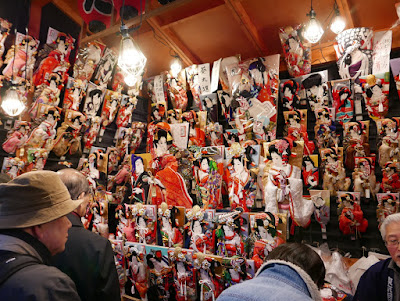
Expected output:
(215, 75)
(381, 53)
(204, 78)
(159, 89)
(180, 134)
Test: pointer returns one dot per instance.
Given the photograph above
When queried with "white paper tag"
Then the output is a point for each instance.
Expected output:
(215, 75)
(358, 109)
(159, 88)
(367, 194)
(204, 78)
(381, 53)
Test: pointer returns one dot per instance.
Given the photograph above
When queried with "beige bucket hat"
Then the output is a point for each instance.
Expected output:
(34, 198)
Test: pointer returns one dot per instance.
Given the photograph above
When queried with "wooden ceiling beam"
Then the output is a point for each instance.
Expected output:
(247, 25)
(69, 11)
(134, 21)
(173, 41)
(345, 12)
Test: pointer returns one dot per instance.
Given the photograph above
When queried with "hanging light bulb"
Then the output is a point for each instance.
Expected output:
(130, 79)
(313, 31)
(176, 66)
(12, 104)
(131, 59)
(338, 23)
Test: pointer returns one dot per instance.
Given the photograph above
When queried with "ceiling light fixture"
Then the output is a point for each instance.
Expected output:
(338, 22)
(131, 59)
(313, 31)
(12, 104)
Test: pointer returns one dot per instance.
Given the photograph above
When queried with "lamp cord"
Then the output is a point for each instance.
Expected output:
(15, 50)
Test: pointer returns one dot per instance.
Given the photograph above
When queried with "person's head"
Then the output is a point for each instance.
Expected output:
(290, 88)
(308, 163)
(256, 69)
(208, 102)
(95, 98)
(62, 43)
(390, 231)
(347, 200)
(389, 202)
(78, 187)
(205, 164)
(293, 44)
(161, 142)
(137, 165)
(312, 84)
(238, 165)
(302, 256)
(260, 123)
(344, 93)
(37, 202)
(279, 152)
(51, 115)
(294, 118)
(323, 114)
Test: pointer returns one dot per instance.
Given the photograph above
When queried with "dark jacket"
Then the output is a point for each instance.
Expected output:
(38, 282)
(89, 260)
(376, 282)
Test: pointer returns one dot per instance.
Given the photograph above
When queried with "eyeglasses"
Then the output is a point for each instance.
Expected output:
(392, 243)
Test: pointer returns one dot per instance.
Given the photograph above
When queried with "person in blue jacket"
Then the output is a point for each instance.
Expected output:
(382, 280)
(293, 271)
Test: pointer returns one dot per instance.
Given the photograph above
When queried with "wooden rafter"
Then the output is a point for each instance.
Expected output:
(345, 12)
(69, 11)
(153, 13)
(173, 41)
(247, 25)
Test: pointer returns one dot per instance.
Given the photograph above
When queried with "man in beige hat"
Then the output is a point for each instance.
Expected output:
(34, 227)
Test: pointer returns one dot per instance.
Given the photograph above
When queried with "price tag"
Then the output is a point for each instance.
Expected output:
(159, 88)
(204, 78)
(215, 75)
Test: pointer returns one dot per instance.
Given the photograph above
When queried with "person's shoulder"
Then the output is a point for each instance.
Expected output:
(260, 289)
(379, 267)
(81, 233)
(43, 279)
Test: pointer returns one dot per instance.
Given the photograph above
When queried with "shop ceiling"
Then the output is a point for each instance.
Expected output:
(202, 31)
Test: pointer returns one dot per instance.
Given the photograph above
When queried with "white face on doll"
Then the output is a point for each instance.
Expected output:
(197, 227)
(61, 46)
(228, 230)
(258, 127)
(344, 96)
(238, 165)
(313, 91)
(161, 147)
(276, 159)
(204, 165)
(309, 165)
(244, 104)
(287, 93)
(389, 207)
(376, 91)
(263, 232)
(139, 169)
(293, 45)
(50, 118)
(142, 222)
(76, 92)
